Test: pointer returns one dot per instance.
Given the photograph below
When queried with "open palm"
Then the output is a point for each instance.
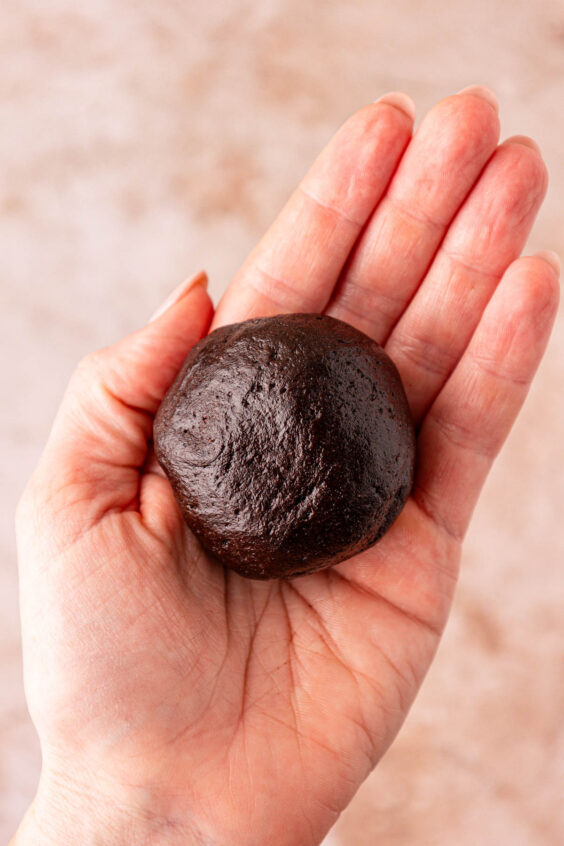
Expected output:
(244, 712)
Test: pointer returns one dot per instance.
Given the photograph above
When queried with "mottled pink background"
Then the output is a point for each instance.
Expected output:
(143, 140)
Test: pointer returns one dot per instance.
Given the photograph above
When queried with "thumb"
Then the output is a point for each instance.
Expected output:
(100, 436)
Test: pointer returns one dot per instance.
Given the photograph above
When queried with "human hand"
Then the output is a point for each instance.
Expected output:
(179, 703)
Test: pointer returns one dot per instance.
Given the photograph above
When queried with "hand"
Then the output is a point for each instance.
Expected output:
(176, 700)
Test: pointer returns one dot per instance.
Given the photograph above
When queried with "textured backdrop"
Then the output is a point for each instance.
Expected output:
(141, 141)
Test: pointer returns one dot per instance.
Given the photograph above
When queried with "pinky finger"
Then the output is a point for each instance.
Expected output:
(470, 419)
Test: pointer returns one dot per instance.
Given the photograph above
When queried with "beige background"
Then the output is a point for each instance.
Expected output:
(143, 140)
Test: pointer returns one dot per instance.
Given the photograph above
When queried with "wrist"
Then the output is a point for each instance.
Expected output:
(65, 813)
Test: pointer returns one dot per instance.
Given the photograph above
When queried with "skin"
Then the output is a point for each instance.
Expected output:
(180, 703)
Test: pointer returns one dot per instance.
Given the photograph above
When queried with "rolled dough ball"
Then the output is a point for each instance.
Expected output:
(288, 443)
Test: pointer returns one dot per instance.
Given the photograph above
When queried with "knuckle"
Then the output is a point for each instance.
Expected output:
(88, 369)
(90, 362)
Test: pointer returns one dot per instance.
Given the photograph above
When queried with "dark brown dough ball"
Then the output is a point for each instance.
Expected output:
(288, 443)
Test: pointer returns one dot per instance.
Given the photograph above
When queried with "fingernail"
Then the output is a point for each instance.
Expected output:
(551, 258)
(525, 141)
(400, 101)
(483, 92)
(199, 279)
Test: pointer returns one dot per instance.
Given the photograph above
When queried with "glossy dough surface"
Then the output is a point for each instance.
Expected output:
(288, 443)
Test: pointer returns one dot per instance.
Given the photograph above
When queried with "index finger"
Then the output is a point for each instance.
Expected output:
(297, 263)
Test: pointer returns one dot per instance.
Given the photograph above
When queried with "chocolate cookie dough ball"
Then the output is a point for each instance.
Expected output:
(288, 443)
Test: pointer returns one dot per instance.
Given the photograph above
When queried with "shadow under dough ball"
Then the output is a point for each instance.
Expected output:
(288, 443)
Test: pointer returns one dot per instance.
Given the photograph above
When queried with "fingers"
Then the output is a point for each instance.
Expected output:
(297, 263)
(487, 234)
(99, 438)
(439, 168)
(470, 419)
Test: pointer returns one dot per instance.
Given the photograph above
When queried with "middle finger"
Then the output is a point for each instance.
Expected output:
(437, 171)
